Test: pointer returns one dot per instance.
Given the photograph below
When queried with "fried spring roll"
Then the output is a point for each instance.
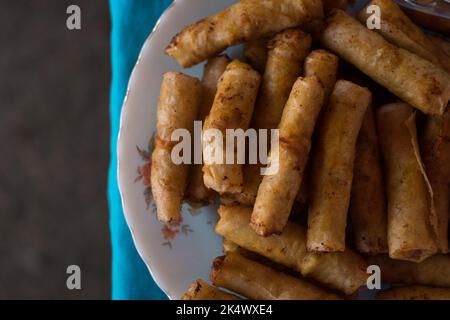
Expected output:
(435, 147)
(287, 51)
(398, 29)
(411, 221)
(434, 271)
(255, 53)
(200, 290)
(415, 80)
(259, 282)
(332, 171)
(196, 191)
(242, 22)
(289, 250)
(415, 293)
(177, 108)
(441, 43)
(232, 109)
(323, 65)
(367, 203)
(276, 193)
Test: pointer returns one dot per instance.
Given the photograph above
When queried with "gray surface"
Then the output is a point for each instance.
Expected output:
(54, 137)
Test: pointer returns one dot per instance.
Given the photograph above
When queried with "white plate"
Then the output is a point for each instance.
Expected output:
(177, 262)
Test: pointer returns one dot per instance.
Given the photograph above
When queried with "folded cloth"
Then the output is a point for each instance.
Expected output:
(132, 21)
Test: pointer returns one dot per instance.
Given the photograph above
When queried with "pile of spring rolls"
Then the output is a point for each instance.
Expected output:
(359, 182)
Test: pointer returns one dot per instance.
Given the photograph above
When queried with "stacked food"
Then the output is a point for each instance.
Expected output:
(363, 152)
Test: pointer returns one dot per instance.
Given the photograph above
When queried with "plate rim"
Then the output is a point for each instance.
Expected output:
(123, 112)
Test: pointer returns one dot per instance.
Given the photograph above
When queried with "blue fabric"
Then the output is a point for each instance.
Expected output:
(132, 21)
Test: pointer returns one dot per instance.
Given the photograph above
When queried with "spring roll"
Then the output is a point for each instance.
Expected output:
(232, 109)
(332, 171)
(287, 51)
(411, 221)
(177, 108)
(367, 203)
(277, 192)
(289, 250)
(434, 271)
(244, 21)
(415, 293)
(258, 282)
(323, 65)
(197, 192)
(435, 148)
(255, 53)
(398, 29)
(415, 80)
(200, 290)
(441, 43)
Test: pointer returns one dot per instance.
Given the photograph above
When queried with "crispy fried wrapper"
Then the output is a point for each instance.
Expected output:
(276, 193)
(287, 51)
(332, 170)
(415, 293)
(200, 290)
(435, 148)
(196, 192)
(368, 212)
(412, 222)
(259, 282)
(434, 271)
(412, 78)
(289, 250)
(177, 108)
(398, 29)
(232, 109)
(244, 21)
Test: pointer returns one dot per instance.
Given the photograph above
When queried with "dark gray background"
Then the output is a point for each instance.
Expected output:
(54, 138)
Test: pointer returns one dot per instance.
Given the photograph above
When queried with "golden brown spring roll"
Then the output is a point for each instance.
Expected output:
(434, 271)
(200, 290)
(415, 80)
(255, 53)
(410, 229)
(276, 193)
(232, 109)
(415, 293)
(242, 22)
(289, 250)
(332, 171)
(177, 108)
(398, 29)
(441, 43)
(367, 203)
(435, 148)
(287, 51)
(323, 65)
(256, 281)
(197, 192)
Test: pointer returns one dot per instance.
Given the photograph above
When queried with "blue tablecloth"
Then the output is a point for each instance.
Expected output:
(132, 21)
